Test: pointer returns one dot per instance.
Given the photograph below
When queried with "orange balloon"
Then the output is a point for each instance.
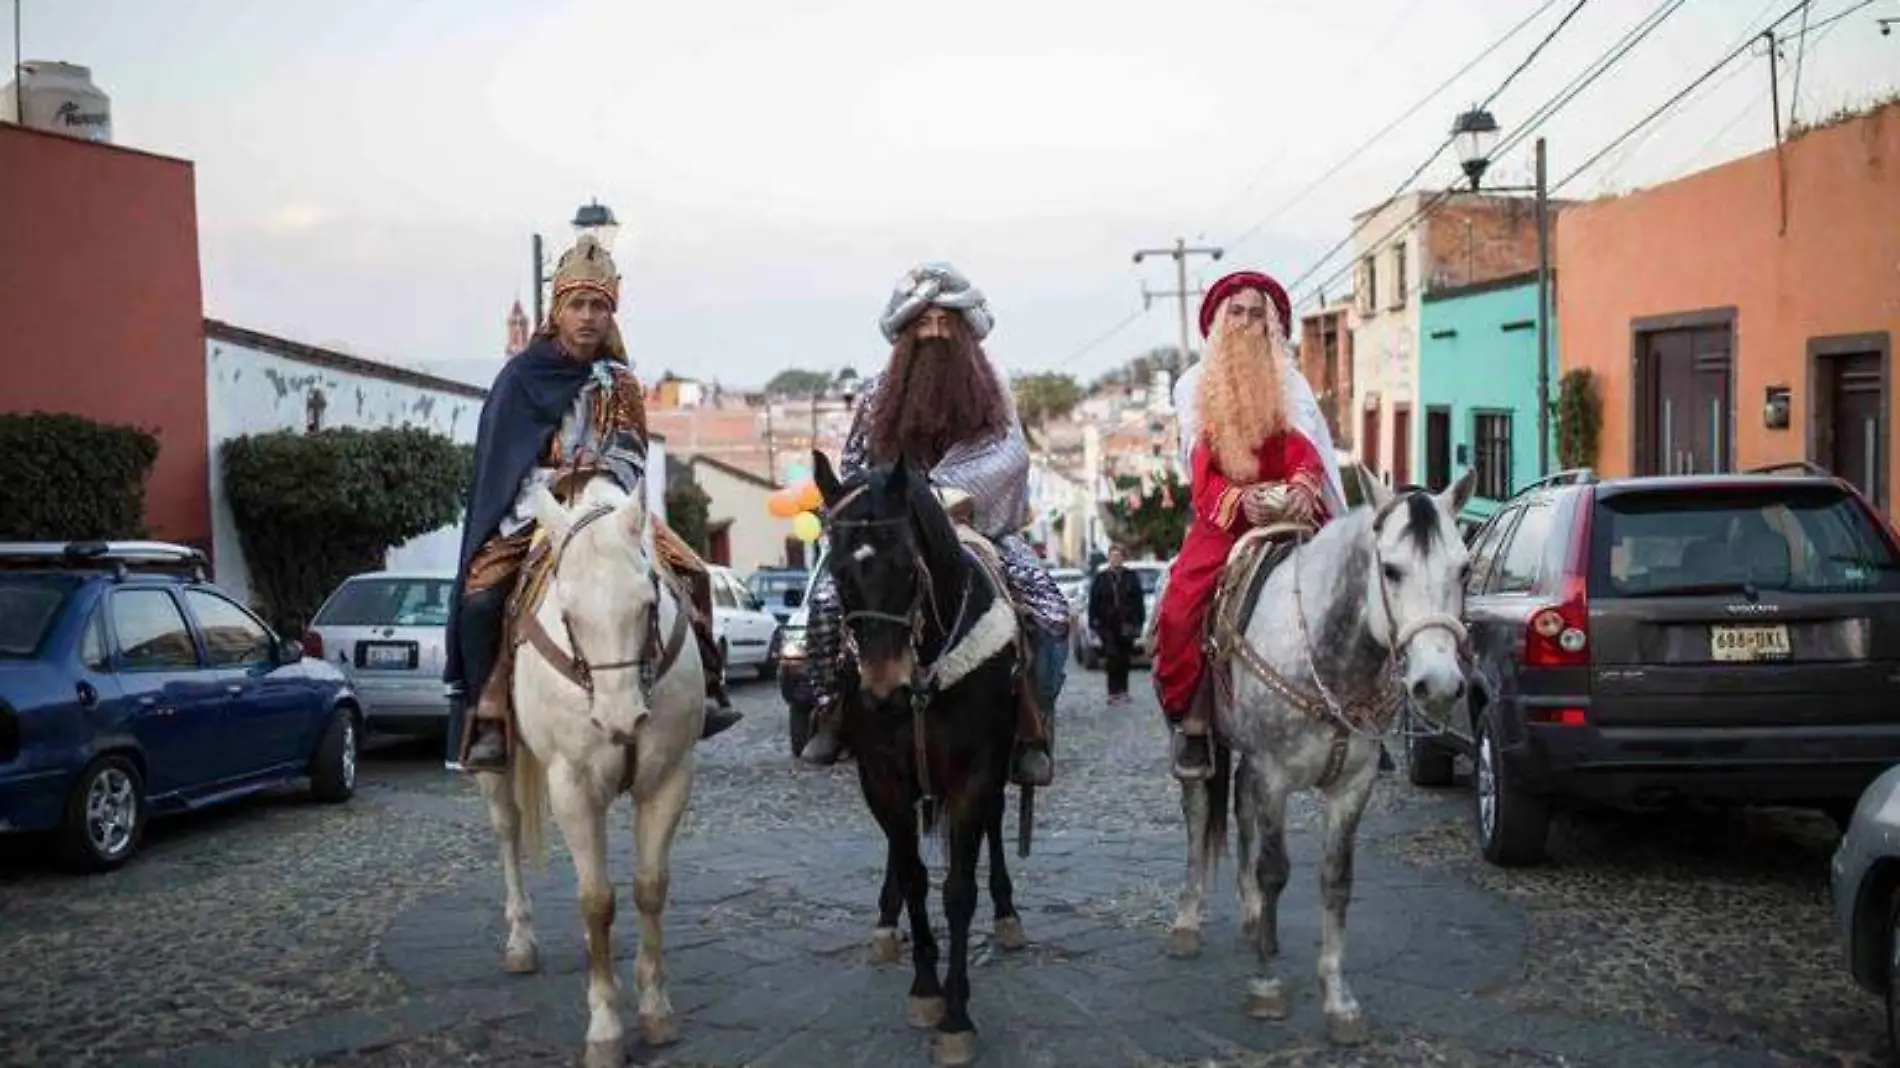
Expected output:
(808, 497)
(783, 504)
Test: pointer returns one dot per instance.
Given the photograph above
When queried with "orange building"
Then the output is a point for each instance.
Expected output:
(100, 306)
(1746, 315)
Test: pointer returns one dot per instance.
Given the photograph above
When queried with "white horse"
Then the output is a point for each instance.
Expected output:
(600, 712)
(1361, 617)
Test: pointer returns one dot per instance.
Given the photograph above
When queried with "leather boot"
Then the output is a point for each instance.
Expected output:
(481, 630)
(720, 715)
(1192, 750)
(1030, 765)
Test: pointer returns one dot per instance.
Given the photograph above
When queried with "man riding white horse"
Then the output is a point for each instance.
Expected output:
(1259, 460)
(563, 410)
(942, 407)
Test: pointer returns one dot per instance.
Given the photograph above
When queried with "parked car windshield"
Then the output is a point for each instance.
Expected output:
(1802, 539)
(770, 586)
(28, 606)
(389, 602)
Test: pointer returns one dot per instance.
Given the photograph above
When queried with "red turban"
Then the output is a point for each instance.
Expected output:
(1238, 281)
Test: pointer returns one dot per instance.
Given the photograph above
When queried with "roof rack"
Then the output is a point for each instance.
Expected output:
(1576, 476)
(120, 557)
(1805, 467)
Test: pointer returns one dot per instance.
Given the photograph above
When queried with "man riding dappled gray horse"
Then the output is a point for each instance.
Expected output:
(940, 407)
(1321, 629)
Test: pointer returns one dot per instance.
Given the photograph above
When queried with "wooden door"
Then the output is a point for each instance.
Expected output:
(1849, 421)
(1401, 444)
(1369, 439)
(1684, 401)
(1437, 448)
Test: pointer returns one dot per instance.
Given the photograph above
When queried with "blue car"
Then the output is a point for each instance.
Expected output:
(130, 688)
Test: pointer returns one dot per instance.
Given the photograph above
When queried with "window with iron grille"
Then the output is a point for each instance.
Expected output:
(1399, 287)
(1492, 431)
(1369, 286)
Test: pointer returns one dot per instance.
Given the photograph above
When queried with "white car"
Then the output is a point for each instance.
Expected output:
(384, 630)
(746, 632)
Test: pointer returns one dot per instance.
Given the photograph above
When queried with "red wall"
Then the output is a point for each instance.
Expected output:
(101, 313)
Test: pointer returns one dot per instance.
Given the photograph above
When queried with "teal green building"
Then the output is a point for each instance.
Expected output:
(1477, 384)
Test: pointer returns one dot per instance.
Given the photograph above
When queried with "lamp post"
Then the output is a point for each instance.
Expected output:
(1476, 134)
(592, 218)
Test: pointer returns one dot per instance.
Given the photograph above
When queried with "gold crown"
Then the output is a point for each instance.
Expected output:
(587, 266)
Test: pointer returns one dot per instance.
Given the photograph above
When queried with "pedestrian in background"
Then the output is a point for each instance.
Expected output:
(1116, 615)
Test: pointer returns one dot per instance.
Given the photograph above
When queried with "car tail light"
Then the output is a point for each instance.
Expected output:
(1558, 635)
(1562, 717)
(313, 644)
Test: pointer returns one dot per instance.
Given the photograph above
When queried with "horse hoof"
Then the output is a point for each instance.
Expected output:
(521, 961)
(659, 1030)
(608, 1054)
(1347, 1030)
(926, 1012)
(1009, 934)
(1266, 1000)
(1184, 943)
(955, 1049)
(885, 948)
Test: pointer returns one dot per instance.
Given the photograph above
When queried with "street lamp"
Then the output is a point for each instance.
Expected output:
(1476, 133)
(592, 218)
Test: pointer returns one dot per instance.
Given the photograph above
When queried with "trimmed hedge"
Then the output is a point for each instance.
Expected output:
(1579, 419)
(66, 478)
(314, 509)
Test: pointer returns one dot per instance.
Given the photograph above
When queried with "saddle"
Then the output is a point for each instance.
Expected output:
(1250, 563)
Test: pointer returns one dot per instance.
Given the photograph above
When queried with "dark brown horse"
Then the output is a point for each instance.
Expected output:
(931, 716)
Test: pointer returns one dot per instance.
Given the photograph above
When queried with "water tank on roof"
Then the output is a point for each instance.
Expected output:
(60, 98)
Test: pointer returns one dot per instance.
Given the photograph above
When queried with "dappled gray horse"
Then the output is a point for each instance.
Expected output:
(1345, 628)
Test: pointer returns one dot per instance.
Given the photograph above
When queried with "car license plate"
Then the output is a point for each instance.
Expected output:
(1750, 643)
(387, 656)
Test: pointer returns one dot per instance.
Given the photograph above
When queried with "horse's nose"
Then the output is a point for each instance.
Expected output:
(1420, 690)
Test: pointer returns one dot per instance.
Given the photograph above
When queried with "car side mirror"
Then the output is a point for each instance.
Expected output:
(289, 651)
(794, 598)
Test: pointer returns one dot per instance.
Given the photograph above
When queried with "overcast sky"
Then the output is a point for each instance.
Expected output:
(369, 171)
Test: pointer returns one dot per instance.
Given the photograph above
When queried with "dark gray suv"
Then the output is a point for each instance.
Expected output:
(1640, 641)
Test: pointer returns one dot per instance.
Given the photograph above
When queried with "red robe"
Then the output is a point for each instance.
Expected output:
(1218, 523)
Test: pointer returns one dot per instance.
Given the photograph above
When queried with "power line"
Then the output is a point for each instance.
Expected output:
(1541, 115)
(1685, 91)
(1354, 155)
(1105, 337)
(1410, 178)
(1800, 60)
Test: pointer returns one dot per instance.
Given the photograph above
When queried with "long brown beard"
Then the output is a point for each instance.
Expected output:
(936, 393)
(1242, 398)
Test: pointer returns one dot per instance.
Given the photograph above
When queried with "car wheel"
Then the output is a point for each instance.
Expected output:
(1512, 825)
(105, 816)
(1428, 763)
(1893, 974)
(798, 720)
(333, 768)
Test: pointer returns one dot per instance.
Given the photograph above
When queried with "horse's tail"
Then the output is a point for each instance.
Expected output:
(1220, 788)
(531, 805)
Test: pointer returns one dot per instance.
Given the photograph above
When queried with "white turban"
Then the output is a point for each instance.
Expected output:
(936, 284)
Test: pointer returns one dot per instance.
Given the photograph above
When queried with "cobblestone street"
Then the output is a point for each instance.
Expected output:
(370, 934)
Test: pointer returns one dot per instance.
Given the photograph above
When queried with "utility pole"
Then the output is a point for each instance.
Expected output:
(19, 69)
(540, 278)
(1181, 251)
(1147, 301)
(1774, 99)
(1543, 316)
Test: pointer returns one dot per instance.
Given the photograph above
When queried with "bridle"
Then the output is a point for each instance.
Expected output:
(574, 665)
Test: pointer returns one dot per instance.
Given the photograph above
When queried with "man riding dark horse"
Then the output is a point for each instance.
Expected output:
(941, 407)
(564, 410)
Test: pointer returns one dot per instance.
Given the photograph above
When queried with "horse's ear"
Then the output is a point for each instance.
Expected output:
(1372, 488)
(1455, 498)
(551, 515)
(822, 474)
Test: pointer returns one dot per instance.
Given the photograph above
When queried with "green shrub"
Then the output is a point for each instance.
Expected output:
(314, 509)
(66, 478)
(1579, 419)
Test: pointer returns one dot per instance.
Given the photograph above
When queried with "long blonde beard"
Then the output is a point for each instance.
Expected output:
(1243, 397)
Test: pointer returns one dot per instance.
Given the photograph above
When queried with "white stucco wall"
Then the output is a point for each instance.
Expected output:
(253, 390)
(1385, 339)
(757, 536)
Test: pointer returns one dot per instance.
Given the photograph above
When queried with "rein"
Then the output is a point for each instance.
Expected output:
(1373, 715)
(924, 677)
(575, 666)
